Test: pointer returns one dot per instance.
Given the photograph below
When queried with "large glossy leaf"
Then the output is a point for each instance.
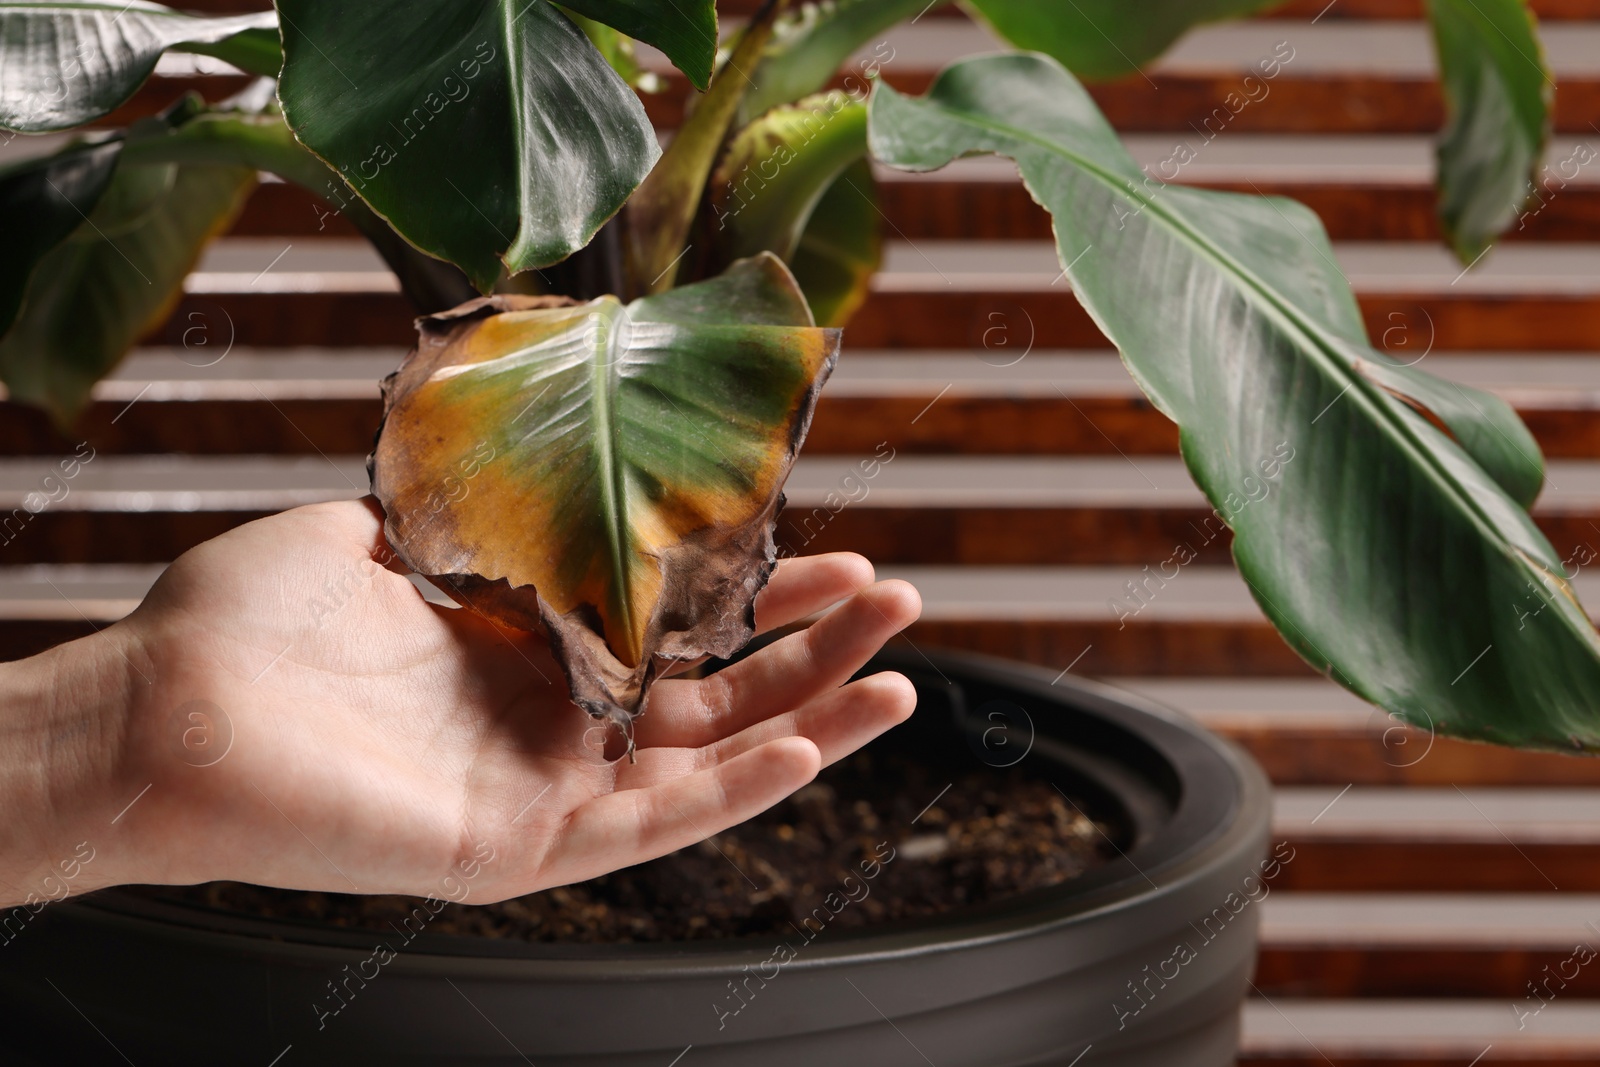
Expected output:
(1105, 38)
(686, 30)
(488, 132)
(1498, 95)
(1374, 541)
(117, 276)
(67, 62)
(609, 472)
(618, 50)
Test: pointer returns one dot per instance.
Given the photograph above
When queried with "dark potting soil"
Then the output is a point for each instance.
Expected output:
(877, 838)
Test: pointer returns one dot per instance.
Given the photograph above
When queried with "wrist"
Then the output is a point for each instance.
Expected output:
(64, 721)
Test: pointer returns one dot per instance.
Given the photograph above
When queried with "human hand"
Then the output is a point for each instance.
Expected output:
(355, 738)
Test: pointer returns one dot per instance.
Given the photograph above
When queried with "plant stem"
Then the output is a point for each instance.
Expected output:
(663, 209)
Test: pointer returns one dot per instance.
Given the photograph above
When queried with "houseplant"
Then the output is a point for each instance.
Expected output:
(1275, 357)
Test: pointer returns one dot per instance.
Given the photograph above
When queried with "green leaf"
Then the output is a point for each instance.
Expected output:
(252, 51)
(776, 169)
(842, 247)
(1498, 97)
(1105, 38)
(263, 142)
(640, 448)
(661, 215)
(42, 201)
(810, 44)
(618, 50)
(1486, 428)
(67, 62)
(486, 132)
(796, 183)
(92, 296)
(1372, 540)
(686, 30)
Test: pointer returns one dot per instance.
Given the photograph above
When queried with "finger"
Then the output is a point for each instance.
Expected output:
(838, 723)
(781, 677)
(620, 829)
(805, 585)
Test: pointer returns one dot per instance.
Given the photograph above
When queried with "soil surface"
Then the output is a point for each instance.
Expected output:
(877, 838)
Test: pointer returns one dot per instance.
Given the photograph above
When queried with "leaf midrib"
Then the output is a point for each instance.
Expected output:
(1274, 303)
(604, 378)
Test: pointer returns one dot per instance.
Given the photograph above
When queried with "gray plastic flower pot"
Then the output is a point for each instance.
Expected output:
(1139, 963)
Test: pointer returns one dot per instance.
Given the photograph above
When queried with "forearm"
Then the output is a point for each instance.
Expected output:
(63, 719)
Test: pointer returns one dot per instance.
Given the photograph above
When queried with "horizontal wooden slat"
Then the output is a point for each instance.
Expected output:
(1180, 103)
(279, 208)
(1553, 10)
(952, 209)
(1383, 754)
(1234, 78)
(1550, 10)
(1353, 969)
(1283, 1032)
(1387, 211)
(910, 510)
(1359, 864)
(1158, 647)
(1210, 83)
(1091, 425)
(1323, 103)
(1368, 839)
(309, 401)
(1092, 534)
(374, 317)
(1528, 949)
(938, 294)
(927, 316)
(1315, 733)
(912, 318)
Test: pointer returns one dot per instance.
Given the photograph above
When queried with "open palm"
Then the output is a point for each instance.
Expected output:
(311, 722)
